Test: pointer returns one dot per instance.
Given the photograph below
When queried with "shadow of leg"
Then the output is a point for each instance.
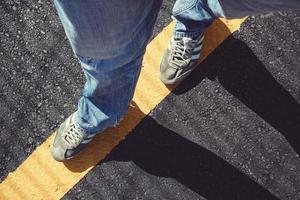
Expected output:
(242, 74)
(161, 152)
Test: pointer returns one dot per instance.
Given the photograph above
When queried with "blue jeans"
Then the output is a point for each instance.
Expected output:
(109, 38)
(193, 16)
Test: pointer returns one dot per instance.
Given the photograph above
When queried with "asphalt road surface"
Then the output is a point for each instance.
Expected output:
(230, 131)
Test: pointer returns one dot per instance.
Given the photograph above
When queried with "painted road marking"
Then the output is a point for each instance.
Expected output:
(40, 177)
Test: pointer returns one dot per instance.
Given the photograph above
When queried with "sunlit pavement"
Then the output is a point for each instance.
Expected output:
(230, 131)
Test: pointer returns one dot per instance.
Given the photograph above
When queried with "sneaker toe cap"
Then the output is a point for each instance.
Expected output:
(169, 74)
(58, 153)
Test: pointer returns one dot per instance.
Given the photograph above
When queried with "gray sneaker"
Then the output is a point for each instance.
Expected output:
(70, 139)
(180, 58)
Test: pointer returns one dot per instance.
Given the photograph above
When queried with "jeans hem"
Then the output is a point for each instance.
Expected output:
(86, 130)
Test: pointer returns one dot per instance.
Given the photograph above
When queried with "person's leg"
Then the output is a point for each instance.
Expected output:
(193, 17)
(109, 38)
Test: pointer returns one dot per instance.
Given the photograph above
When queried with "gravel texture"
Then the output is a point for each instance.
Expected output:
(230, 131)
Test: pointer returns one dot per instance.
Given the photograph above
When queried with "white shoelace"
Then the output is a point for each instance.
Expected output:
(74, 136)
(181, 50)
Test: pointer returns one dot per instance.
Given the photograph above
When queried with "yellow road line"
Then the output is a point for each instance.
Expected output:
(40, 177)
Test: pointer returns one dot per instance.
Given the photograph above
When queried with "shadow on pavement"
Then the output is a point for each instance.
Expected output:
(162, 152)
(243, 75)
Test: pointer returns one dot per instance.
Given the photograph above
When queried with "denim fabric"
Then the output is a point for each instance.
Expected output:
(193, 16)
(109, 38)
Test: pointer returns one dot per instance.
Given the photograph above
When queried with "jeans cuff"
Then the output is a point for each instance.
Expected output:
(86, 131)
